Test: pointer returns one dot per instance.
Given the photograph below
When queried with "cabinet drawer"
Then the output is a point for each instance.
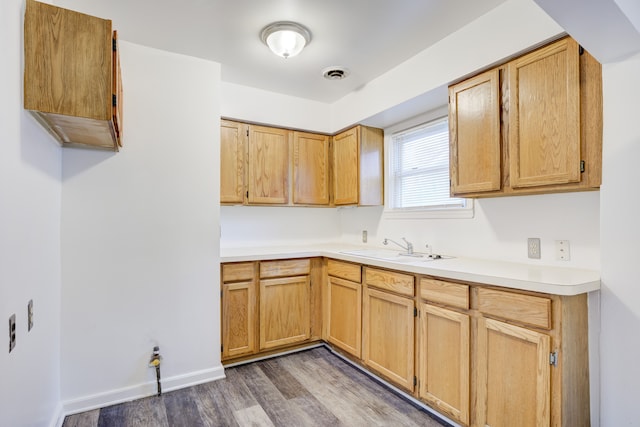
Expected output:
(395, 282)
(452, 294)
(344, 270)
(237, 272)
(291, 267)
(528, 309)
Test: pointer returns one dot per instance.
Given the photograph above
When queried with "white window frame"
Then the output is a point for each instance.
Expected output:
(419, 212)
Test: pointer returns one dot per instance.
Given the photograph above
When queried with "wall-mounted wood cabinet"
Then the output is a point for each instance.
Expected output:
(357, 167)
(72, 82)
(530, 126)
(256, 163)
(310, 169)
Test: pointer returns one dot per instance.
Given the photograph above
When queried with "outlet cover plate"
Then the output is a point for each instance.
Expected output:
(533, 247)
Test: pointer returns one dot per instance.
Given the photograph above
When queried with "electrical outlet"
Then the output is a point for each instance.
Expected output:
(29, 315)
(563, 252)
(533, 245)
(12, 332)
(364, 236)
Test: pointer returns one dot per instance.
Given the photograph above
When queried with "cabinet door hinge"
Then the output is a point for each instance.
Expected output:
(221, 349)
(415, 381)
(115, 45)
(580, 50)
(115, 100)
(415, 312)
(553, 358)
(581, 166)
(247, 132)
(247, 194)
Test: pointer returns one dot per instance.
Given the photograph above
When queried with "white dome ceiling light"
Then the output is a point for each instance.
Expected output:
(285, 39)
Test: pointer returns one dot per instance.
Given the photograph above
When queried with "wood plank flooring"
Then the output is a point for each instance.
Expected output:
(309, 388)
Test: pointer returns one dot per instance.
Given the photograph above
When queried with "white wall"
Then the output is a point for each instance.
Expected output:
(29, 245)
(140, 238)
(620, 234)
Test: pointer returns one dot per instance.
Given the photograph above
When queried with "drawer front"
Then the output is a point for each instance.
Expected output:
(344, 270)
(237, 272)
(391, 281)
(283, 268)
(532, 310)
(452, 294)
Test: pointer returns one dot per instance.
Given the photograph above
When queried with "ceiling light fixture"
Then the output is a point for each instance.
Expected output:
(285, 39)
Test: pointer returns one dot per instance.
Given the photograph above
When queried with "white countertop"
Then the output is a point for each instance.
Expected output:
(528, 277)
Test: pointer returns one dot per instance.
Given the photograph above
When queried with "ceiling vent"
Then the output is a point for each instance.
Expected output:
(335, 73)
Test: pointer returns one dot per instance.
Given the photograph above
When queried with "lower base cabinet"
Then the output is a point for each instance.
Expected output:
(513, 376)
(388, 336)
(284, 311)
(238, 309)
(481, 355)
(444, 360)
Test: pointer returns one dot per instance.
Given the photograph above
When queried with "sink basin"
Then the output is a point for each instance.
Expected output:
(384, 254)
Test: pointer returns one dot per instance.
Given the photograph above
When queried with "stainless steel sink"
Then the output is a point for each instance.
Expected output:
(385, 255)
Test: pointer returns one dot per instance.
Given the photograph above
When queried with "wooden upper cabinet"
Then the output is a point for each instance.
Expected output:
(357, 161)
(530, 126)
(268, 172)
(544, 108)
(474, 128)
(310, 169)
(72, 81)
(233, 141)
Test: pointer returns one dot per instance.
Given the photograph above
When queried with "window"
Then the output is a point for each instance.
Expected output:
(419, 172)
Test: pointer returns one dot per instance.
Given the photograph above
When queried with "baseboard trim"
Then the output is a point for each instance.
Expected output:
(58, 417)
(138, 391)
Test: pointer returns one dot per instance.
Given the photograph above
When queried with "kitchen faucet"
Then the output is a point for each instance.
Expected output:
(408, 248)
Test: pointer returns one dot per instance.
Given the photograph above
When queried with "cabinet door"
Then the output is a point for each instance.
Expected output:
(232, 149)
(444, 360)
(474, 134)
(544, 123)
(346, 167)
(238, 319)
(268, 174)
(284, 311)
(388, 336)
(344, 315)
(310, 169)
(513, 383)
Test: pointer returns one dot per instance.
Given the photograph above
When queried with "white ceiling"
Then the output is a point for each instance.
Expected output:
(369, 37)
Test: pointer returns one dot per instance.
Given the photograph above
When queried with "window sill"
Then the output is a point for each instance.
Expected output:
(462, 213)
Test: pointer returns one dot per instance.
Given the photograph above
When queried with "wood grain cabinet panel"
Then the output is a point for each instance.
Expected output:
(544, 108)
(239, 309)
(447, 293)
(72, 82)
(310, 169)
(444, 360)
(474, 134)
(388, 332)
(390, 280)
(344, 315)
(513, 376)
(524, 309)
(268, 165)
(284, 311)
(530, 126)
(357, 167)
(233, 143)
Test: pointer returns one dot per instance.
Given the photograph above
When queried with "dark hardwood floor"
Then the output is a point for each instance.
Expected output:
(309, 388)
